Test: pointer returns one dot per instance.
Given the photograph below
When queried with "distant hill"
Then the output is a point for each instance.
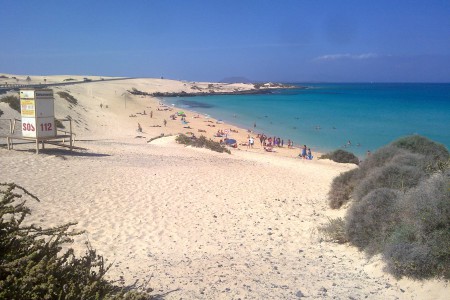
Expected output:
(236, 79)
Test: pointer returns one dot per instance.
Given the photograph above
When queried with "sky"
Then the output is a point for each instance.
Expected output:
(283, 41)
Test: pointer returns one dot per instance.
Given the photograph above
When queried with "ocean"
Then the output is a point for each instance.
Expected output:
(356, 117)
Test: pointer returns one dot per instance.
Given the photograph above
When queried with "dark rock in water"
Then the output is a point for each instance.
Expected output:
(194, 104)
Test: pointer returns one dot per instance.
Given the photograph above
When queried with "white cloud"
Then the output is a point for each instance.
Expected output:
(332, 57)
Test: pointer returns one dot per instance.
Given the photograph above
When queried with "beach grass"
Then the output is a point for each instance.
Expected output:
(71, 99)
(202, 142)
(12, 101)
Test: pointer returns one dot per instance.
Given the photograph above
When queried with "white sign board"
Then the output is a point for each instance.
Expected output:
(38, 113)
(38, 127)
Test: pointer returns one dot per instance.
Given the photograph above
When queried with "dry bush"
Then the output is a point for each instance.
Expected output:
(392, 176)
(380, 158)
(408, 259)
(201, 142)
(342, 188)
(370, 221)
(401, 207)
(12, 101)
(428, 205)
(334, 230)
(341, 156)
(420, 248)
(422, 145)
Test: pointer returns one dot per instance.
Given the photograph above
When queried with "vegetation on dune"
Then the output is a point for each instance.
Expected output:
(1, 112)
(342, 188)
(71, 99)
(201, 142)
(33, 265)
(422, 145)
(59, 124)
(12, 101)
(400, 207)
(335, 230)
(341, 156)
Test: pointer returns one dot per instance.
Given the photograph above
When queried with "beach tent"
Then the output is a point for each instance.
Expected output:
(230, 141)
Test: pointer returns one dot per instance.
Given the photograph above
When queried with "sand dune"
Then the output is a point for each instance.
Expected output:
(200, 224)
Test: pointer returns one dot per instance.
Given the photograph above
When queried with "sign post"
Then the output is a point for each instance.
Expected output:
(38, 113)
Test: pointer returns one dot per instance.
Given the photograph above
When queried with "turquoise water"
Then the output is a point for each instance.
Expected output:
(326, 116)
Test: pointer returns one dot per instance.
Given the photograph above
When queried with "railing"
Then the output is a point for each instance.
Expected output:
(60, 134)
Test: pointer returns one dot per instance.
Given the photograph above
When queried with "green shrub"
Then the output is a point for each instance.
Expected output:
(334, 230)
(409, 254)
(68, 97)
(32, 265)
(342, 188)
(421, 247)
(392, 176)
(422, 145)
(408, 259)
(370, 221)
(427, 206)
(437, 166)
(341, 156)
(201, 142)
(380, 158)
(13, 102)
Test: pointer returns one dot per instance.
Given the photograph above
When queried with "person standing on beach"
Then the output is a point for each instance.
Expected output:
(165, 122)
(251, 141)
(304, 152)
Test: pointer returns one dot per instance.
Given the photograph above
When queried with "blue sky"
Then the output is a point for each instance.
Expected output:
(290, 41)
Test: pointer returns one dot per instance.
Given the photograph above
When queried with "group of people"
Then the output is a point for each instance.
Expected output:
(220, 133)
(270, 141)
(306, 153)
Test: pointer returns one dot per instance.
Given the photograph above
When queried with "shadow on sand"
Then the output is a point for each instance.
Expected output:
(63, 152)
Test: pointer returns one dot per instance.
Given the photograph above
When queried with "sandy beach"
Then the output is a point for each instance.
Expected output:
(194, 223)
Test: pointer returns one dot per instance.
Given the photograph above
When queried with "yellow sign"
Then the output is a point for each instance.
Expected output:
(27, 108)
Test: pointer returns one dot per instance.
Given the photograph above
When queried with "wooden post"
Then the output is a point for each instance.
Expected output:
(70, 132)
